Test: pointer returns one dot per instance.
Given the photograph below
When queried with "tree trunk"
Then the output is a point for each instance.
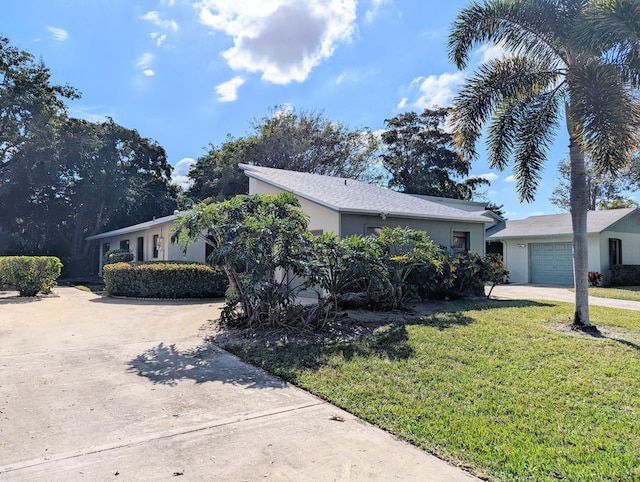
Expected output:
(579, 199)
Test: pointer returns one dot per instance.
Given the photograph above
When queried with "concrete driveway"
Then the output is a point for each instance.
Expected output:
(94, 388)
(555, 293)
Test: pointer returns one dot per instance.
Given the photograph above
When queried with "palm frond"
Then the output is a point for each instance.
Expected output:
(534, 28)
(495, 83)
(536, 126)
(611, 29)
(607, 112)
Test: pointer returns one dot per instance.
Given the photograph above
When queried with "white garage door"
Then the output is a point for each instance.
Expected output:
(551, 263)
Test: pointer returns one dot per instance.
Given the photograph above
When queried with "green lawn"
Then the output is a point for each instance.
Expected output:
(622, 293)
(489, 385)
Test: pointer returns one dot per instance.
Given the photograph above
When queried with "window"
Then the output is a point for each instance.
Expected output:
(615, 252)
(316, 232)
(373, 232)
(460, 242)
(106, 247)
(155, 245)
(140, 249)
(124, 244)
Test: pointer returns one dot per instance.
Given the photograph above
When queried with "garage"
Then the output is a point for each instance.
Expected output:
(551, 263)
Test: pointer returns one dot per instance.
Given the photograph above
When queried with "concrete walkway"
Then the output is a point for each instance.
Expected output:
(555, 293)
(95, 388)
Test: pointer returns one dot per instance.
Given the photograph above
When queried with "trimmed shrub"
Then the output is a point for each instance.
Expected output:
(117, 256)
(625, 275)
(164, 280)
(30, 274)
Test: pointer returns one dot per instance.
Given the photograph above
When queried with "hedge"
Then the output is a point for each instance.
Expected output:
(30, 274)
(164, 280)
(117, 256)
(625, 275)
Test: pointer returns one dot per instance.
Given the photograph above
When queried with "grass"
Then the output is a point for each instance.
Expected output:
(95, 288)
(622, 293)
(489, 385)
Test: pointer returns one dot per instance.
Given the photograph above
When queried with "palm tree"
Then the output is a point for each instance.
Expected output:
(567, 59)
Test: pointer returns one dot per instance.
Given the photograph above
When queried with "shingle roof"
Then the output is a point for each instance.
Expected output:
(135, 227)
(350, 196)
(556, 224)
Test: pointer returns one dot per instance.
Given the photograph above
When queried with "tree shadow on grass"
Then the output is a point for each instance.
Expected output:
(166, 365)
(390, 342)
(606, 334)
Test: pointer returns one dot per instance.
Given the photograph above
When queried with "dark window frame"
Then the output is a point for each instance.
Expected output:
(466, 243)
(156, 251)
(615, 252)
(140, 248)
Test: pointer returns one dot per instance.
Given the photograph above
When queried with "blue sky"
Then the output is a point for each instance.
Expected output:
(187, 73)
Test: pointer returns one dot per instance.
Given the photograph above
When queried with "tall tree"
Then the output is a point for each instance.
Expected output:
(421, 157)
(287, 139)
(216, 175)
(112, 178)
(604, 189)
(572, 59)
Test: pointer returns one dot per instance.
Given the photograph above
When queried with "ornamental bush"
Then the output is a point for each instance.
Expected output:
(164, 280)
(117, 256)
(30, 275)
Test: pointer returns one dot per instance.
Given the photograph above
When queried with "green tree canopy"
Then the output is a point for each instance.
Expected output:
(287, 139)
(421, 157)
(63, 179)
(605, 189)
(571, 60)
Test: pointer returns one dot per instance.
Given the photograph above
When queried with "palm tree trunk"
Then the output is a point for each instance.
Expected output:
(579, 199)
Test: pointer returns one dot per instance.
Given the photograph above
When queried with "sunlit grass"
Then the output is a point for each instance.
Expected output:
(490, 385)
(621, 293)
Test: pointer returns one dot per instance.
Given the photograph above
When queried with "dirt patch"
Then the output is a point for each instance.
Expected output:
(347, 325)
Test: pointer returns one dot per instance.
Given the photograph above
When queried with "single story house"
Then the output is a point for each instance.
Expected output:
(347, 207)
(539, 249)
(148, 241)
(343, 206)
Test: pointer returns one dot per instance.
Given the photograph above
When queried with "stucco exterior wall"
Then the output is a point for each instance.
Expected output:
(168, 251)
(320, 217)
(441, 232)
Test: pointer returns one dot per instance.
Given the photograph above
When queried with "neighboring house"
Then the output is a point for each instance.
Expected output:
(149, 241)
(539, 250)
(347, 207)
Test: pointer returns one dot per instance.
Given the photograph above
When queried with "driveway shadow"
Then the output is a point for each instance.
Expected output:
(153, 301)
(13, 297)
(166, 365)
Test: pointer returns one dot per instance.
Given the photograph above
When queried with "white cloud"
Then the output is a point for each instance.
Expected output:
(489, 176)
(159, 38)
(148, 72)
(84, 112)
(282, 39)
(434, 91)
(180, 171)
(491, 51)
(403, 103)
(374, 11)
(154, 16)
(145, 61)
(59, 34)
(510, 178)
(228, 91)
